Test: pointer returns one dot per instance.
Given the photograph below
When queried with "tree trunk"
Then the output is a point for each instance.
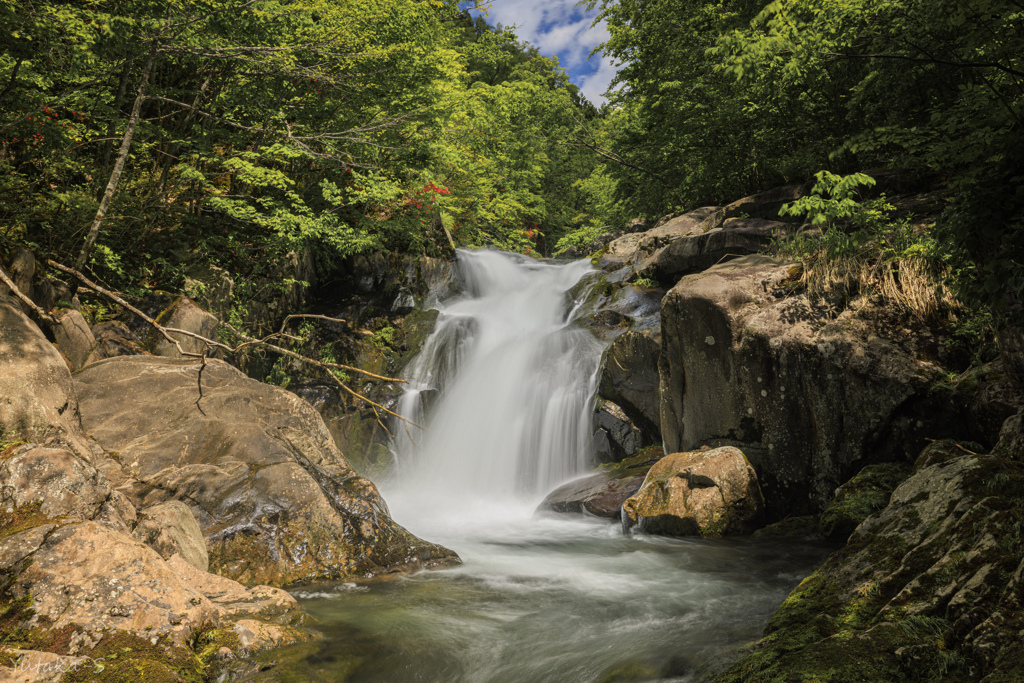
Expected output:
(115, 175)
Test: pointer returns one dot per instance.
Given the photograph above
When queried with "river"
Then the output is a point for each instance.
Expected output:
(505, 387)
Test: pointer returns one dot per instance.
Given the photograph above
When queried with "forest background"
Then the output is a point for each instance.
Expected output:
(139, 137)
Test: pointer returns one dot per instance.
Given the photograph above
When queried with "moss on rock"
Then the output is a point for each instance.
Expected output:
(928, 589)
(865, 494)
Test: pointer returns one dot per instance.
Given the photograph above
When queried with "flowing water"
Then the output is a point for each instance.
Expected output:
(505, 386)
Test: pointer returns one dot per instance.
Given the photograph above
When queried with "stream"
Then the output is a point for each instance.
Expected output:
(505, 386)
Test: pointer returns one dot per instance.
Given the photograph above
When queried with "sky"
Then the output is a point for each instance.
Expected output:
(559, 28)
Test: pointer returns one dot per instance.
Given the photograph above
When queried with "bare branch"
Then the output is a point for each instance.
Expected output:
(114, 297)
(28, 302)
(247, 341)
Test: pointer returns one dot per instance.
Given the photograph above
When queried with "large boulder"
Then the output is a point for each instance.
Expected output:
(930, 588)
(37, 397)
(632, 248)
(700, 238)
(91, 595)
(74, 338)
(810, 396)
(276, 500)
(184, 314)
(695, 252)
(93, 578)
(705, 493)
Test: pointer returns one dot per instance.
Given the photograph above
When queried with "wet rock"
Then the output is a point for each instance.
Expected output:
(232, 599)
(867, 493)
(276, 500)
(629, 378)
(930, 588)
(37, 398)
(74, 339)
(615, 436)
(256, 635)
(603, 493)
(706, 493)
(170, 529)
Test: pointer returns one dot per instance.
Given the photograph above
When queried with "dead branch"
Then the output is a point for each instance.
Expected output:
(246, 341)
(114, 297)
(28, 302)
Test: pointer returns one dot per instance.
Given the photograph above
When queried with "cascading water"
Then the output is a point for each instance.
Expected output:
(509, 382)
(514, 381)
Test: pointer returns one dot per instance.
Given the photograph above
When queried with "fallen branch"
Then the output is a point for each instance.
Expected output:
(166, 332)
(28, 302)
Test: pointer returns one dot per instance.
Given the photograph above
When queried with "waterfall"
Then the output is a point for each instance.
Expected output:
(504, 386)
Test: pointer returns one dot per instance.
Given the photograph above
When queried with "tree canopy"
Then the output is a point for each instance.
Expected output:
(717, 99)
(239, 130)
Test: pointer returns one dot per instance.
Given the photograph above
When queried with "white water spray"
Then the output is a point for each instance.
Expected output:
(513, 380)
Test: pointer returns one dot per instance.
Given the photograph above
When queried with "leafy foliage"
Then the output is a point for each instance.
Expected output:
(275, 126)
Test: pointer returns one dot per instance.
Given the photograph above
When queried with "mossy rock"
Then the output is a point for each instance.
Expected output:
(865, 494)
(632, 671)
(791, 527)
(927, 589)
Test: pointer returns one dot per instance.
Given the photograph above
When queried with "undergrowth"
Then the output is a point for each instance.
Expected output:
(851, 248)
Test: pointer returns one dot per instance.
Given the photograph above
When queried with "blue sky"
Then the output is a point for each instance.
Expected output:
(559, 28)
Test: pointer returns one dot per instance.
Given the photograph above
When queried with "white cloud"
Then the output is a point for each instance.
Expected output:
(594, 85)
(558, 27)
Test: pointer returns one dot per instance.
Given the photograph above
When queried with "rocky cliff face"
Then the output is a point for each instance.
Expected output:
(811, 398)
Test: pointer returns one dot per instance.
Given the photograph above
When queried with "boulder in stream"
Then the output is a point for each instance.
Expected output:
(700, 493)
